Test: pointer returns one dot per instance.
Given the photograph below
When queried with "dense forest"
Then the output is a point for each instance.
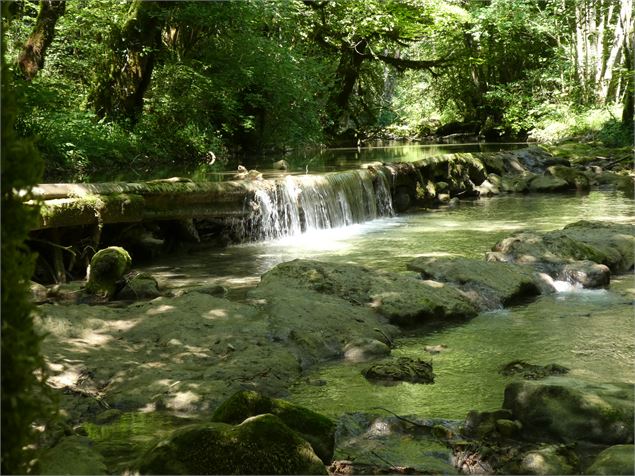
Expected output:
(101, 81)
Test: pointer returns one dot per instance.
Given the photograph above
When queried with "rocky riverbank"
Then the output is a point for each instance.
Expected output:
(183, 355)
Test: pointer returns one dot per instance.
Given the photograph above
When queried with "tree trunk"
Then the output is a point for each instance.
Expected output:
(346, 76)
(119, 93)
(629, 89)
(31, 58)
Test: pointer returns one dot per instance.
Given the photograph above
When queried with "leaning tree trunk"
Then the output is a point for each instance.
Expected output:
(119, 92)
(31, 58)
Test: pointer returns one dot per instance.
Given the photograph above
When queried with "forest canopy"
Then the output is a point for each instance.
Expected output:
(101, 81)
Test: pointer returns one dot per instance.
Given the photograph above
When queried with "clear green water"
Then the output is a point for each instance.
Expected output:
(590, 332)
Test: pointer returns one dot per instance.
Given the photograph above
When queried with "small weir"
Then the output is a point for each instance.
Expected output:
(297, 204)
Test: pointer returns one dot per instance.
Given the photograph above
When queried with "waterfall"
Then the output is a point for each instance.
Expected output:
(301, 203)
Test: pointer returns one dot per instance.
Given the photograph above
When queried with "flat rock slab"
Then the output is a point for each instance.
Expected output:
(573, 410)
(404, 300)
(490, 284)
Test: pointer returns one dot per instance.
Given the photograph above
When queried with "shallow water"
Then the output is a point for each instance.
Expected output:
(589, 331)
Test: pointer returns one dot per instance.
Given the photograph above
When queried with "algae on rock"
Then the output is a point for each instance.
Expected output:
(107, 267)
(259, 445)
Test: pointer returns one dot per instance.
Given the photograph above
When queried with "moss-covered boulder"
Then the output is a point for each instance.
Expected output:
(576, 179)
(584, 252)
(548, 184)
(618, 459)
(402, 369)
(573, 410)
(72, 455)
(515, 183)
(107, 268)
(259, 445)
(403, 299)
(484, 424)
(317, 429)
(546, 459)
(139, 286)
(489, 284)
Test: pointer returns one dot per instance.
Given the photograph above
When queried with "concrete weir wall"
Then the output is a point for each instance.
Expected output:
(77, 219)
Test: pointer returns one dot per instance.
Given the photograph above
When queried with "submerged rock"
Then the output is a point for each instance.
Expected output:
(107, 267)
(618, 459)
(374, 444)
(259, 445)
(313, 427)
(490, 284)
(402, 299)
(532, 371)
(403, 369)
(573, 410)
(362, 350)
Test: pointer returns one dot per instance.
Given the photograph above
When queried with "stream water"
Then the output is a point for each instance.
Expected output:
(589, 331)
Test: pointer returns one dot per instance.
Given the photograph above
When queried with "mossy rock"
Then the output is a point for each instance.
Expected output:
(515, 184)
(72, 455)
(548, 184)
(259, 445)
(494, 283)
(573, 410)
(546, 459)
(107, 267)
(402, 369)
(404, 300)
(317, 429)
(618, 459)
(531, 371)
(575, 178)
(139, 286)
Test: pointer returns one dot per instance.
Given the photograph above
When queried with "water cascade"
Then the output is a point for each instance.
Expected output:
(301, 203)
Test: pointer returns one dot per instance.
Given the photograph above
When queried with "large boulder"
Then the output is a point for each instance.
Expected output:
(72, 455)
(402, 299)
(573, 410)
(259, 445)
(576, 179)
(313, 427)
(548, 184)
(490, 284)
(107, 268)
(618, 459)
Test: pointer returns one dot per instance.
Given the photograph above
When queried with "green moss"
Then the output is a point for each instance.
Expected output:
(315, 428)
(106, 268)
(260, 445)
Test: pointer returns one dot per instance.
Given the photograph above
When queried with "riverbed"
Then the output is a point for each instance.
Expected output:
(589, 331)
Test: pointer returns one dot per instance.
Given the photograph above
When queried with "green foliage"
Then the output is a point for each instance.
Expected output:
(23, 398)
